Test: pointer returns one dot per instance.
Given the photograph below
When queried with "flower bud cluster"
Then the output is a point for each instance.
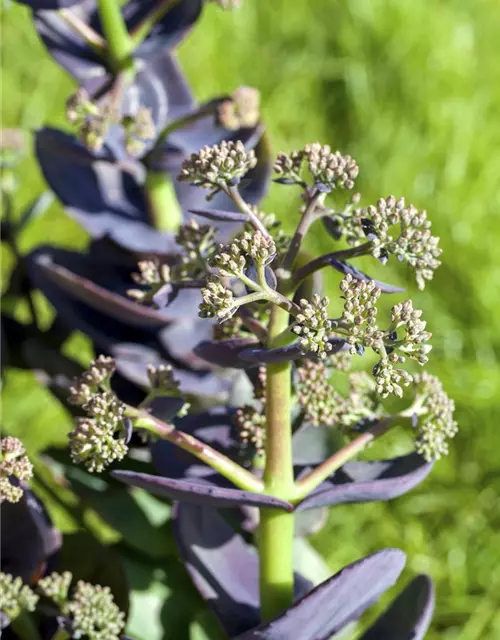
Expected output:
(139, 129)
(361, 403)
(94, 121)
(398, 229)
(359, 323)
(99, 439)
(415, 336)
(360, 312)
(56, 587)
(313, 327)
(218, 166)
(251, 425)
(289, 166)
(231, 328)
(14, 463)
(389, 379)
(436, 426)
(198, 242)
(96, 376)
(154, 277)
(231, 260)
(330, 169)
(15, 597)
(162, 379)
(91, 609)
(217, 300)
(319, 401)
(242, 110)
(273, 225)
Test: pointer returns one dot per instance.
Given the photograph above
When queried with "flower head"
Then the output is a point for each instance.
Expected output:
(14, 463)
(218, 166)
(436, 425)
(251, 425)
(242, 110)
(91, 609)
(15, 597)
(96, 376)
(398, 229)
(318, 399)
(313, 327)
(360, 312)
(217, 300)
(330, 169)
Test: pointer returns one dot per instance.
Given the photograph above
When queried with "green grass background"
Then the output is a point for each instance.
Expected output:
(412, 91)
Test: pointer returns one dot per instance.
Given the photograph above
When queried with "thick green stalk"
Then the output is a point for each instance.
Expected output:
(164, 210)
(276, 527)
(119, 42)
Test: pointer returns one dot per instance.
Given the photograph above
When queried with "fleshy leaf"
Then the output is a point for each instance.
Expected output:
(261, 355)
(369, 481)
(409, 616)
(223, 566)
(28, 538)
(221, 216)
(336, 602)
(225, 353)
(102, 195)
(347, 268)
(204, 491)
(78, 276)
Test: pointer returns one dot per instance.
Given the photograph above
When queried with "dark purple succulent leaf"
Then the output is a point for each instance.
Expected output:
(409, 616)
(66, 46)
(53, 5)
(206, 491)
(223, 567)
(181, 338)
(220, 216)
(132, 359)
(214, 427)
(167, 32)
(225, 353)
(29, 542)
(361, 481)
(104, 196)
(89, 282)
(347, 268)
(260, 355)
(334, 603)
(80, 60)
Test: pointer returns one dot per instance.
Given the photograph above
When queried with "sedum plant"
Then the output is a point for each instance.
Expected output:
(222, 359)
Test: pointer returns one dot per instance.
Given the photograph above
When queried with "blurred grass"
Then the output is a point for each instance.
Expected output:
(412, 91)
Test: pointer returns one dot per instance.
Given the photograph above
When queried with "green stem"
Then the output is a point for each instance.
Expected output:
(61, 635)
(276, 562)
(239, 201)
(218, 461)
(119, 42)
(91, 37)
(303, 227)
(164, 209)
(276, 529)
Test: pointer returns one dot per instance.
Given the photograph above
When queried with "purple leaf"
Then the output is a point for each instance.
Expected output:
(409, 616)
(73, 272)
(214, 427)
(260, 355)
(199, 491)
(223, 567)
(78, 58)
(99, 193)
(346, 268)
(225, 353)
(336, 602)
(48, 4)
(369, 481)
(28, 538)
(223, 216)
